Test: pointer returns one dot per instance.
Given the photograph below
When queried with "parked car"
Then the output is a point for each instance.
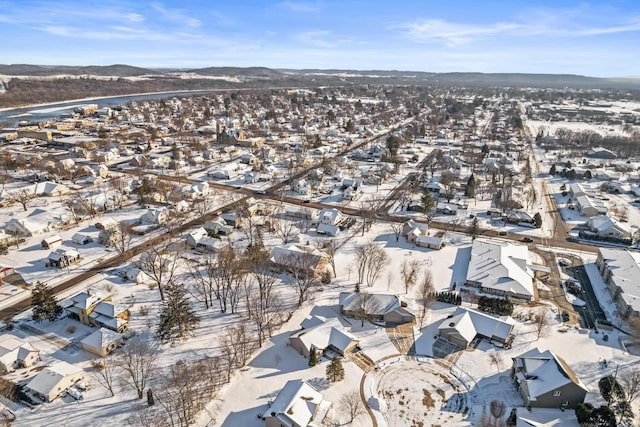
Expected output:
(75, 393)
(564, 262)
(502, 233)
(565, 316)
(527, 239)
(81, 385)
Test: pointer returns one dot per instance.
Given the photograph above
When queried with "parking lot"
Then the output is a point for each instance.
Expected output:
(591, 313)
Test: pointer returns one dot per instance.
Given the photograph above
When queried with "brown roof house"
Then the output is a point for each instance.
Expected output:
(546, 381)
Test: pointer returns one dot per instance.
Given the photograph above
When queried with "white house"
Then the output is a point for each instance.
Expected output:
(302, 186)
(466, 324)
(500, 268)
(16, 353)
(604, 226)
(102, 342)
(327, 336)
(297, 405)
(53, 381)
(81, 239)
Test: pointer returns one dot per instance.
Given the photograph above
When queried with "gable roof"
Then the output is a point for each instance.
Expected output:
(470, 323)
(544, 372)
(325, 334)
(102, 338)
(379, 306)
(296, 403)
(500, 266)
(47, 379)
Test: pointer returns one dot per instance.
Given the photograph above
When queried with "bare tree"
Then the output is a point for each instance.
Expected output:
(159, 263)
(303, 268)
(631, 384)
(351, 405)
(426, 296)
(370, 262)
(236, 346)
(122, 237)
(138, 360)
(263, 304)
(331, 248)
(228, 275)
(377, 263)
(283, 228)
(542, 323)
(397, 230)
(365, 306)
(496, 360)
(22, 197)
(203, 284)
(409, 271)
(104, 372)
(249, 223)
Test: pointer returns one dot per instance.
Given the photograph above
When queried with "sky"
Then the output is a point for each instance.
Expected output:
(599, 39)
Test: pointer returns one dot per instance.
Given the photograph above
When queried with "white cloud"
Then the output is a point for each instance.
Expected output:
(176, 15)
(453, 33)
(300, 6)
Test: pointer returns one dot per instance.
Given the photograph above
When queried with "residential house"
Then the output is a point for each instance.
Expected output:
(327, 337)
(232, 219)
(63, 257)
(620, 270)
(465, 325)
(500, 268)
(302, 187)
(53, 381)
(16, 353)
(376, 307)
(27, 226)
(107, 223)
(155, 216)
(96, 308)
(589, 206)
(298, 404)
(605, 227)
(81, 239)
(102, 342)
(299, 258)
(51, 242)
(546, 381)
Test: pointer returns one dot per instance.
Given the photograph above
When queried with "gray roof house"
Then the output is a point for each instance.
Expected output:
(546, 381)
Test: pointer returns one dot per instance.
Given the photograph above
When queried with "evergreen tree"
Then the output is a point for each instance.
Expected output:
(335, 371)
(485, 150)
(313, 358)
(553, 170)
(150, 400)
(427, 201)
(350, 127)
(470, 188)
(177, 318)
(537, 220)
(45, 306)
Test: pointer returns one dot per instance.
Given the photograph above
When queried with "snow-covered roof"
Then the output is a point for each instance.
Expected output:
(500, 266)
(470, 323)
(296, 404)
(601, 223)
(329, 333)
(102, 338)
(544, 372)
(624, 269)
(380, 303)
(48, 379)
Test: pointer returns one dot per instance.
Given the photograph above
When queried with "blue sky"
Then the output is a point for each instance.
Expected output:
(589, 38)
